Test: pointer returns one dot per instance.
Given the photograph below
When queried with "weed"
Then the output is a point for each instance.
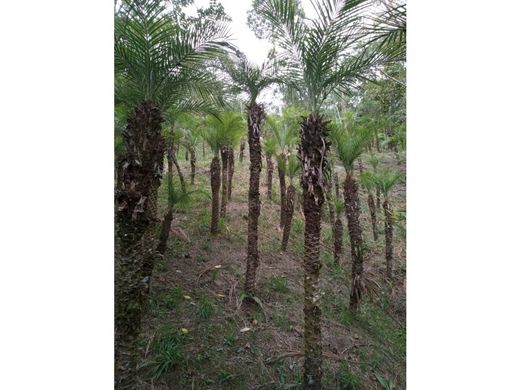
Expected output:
(279, 284)
(347, 379)
(168, 351)
(281, 321)
(297, 225)
(385, 383)
(205, 308)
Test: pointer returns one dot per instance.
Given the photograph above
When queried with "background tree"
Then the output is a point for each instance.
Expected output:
(270, 150)
(386, 180)
(251, 79)
(293, 168)
(338, 228)
(368, 184)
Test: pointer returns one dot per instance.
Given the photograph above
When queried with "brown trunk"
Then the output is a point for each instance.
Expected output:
(373, 215)
(269, 162)
(223, 201)
(336, 184)
(242, 148)
(338, 239)
(312, 152)
(389, 232)
(288, 217)
(165, 231)
(283, 193)
(186, 155)
(231, 171)
(215, 188)
(172, 155)
(360, 165)
(136, 198)
(356, 244)
(203, 150)
(193, 161)
(378, 198)
(255, 118)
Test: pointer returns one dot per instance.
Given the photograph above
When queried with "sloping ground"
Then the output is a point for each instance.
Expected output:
(196, 334)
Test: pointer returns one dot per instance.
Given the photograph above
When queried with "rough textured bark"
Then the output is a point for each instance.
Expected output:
(193, 162)
(231, 171)
(136, 198)
(242, 148)
(223, 201)
(255, 118)
(166, 223)
(352, 211)
(215, 188)
(312, 152)
(283, 193)
(373, 215)
(269, 163)
(288, 216)
(389, 232)
(378, 198)
(336, 184)
(338, 239)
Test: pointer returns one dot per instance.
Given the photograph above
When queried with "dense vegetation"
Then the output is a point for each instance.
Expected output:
(220, 246)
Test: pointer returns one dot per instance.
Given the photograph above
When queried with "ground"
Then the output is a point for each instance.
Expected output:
(197, 335)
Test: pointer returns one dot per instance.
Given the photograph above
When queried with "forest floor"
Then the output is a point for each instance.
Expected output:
(197, 335)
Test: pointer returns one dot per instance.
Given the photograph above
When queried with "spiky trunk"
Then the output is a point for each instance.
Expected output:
(223, 201)
(269, 162)
(373, 215)
(193, 161)
(255, 118)
(288, 217)
(312, 152)
(389, 233)
(136, 198)
(242, 148)
(283, 192)
(231, 171)
(351, 198)
(215, 188)
(338, 239)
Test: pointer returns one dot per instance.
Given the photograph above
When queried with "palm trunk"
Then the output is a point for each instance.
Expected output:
(338, 239)
(141, 168)
(167, 219)
(283, 192)
(373, 215)
(360, 165)
(215, 188)
(288, 217)
(255, 117)
(378, 199)
(312, 150)
(223, 202)
(231, 171)
(336, 184)
(242, 148)
(356, 245)
(269, 162)
(172, 154)
(203, 150)
(389, 232)
(193, 161)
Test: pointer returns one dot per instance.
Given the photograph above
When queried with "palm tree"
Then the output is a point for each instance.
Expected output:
(366, 181)
(285, 135)
(338, 228)
(374, 161)
(386, 180)
(251, 79)
(317, 64)
(270, 151)
(293, 168)
(157, 64)
(349, 145)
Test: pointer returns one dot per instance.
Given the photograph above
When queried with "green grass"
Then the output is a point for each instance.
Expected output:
(279, 284)
(347, 379)
(205, 308)
(168, 352)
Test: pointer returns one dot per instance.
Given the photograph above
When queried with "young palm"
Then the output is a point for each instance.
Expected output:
(368, 184)
(293, 168)
(285, 135)
(270, 151)
(386, 180)
(315, 54)
(157, 64)
(251, 79)
(349, 145)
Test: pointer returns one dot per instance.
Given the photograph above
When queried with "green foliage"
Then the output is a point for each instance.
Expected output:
(226, 129)
(349, 143)
(168, 352)
(347, 379)
(205, 308)
(293, 166)
(386, 384)
(386, 179)
(279, 284)
(270, 146)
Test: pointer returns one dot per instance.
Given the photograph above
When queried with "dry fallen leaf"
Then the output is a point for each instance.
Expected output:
(184, 330)
(246, 329)
(187, 297)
